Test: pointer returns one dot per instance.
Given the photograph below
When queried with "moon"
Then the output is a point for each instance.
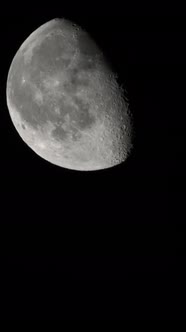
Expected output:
(65, 102)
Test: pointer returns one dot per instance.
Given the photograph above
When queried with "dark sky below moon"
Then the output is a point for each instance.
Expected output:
(123, 228)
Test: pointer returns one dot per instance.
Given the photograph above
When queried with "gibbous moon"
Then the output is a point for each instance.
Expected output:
(65, 102)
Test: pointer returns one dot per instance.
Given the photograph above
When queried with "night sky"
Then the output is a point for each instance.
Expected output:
(110, 243)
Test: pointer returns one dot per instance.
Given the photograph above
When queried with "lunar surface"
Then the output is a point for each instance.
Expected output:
(65, 102)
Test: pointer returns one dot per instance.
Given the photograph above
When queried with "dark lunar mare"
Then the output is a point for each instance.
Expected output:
(55, 80)
(49, 58)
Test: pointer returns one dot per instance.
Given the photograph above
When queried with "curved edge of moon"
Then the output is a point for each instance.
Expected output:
(103, 146)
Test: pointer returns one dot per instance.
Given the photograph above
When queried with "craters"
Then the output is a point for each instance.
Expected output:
(87, 63)
(82, 116)
(59, 133)
(51, 86)
(74, 120)
(66, 132)
(62, 128)
(75, 81)
(67, 120)
(75, 134)
(75, 27)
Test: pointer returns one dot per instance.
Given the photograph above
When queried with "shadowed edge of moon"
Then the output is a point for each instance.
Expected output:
(95, 151)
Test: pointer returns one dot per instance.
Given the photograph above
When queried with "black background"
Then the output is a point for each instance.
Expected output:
(111, 243)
